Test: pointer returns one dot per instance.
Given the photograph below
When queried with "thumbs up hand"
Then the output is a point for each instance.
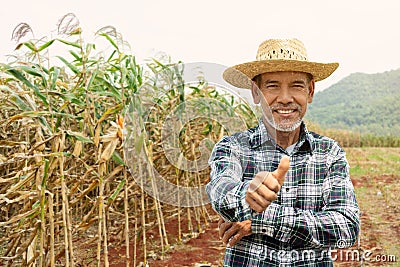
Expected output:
(280, 173)
(265, 186)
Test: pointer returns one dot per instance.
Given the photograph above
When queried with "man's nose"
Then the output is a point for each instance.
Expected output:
(285, 96)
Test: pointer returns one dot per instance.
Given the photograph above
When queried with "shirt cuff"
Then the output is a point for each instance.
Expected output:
(287, 223)
(268, 221)
(244, 212)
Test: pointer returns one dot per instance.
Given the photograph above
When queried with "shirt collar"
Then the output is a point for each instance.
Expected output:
(259, 135)
(306, 140)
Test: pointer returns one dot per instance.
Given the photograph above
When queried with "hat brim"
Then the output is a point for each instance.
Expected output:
(242, 74)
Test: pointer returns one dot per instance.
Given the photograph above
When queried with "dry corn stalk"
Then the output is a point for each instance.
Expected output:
(70, 118)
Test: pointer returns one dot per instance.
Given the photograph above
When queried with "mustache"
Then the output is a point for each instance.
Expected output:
(283, 106)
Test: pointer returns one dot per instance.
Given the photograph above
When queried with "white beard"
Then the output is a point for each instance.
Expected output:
(284, 127)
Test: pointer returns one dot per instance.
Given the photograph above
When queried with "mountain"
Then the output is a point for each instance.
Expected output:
(365, 103)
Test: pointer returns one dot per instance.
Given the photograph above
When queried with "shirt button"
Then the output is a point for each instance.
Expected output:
(287, 189)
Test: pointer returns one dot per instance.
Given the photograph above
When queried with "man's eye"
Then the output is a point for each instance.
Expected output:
(299, 87)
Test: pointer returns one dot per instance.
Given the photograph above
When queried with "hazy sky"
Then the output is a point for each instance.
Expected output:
(361, 35)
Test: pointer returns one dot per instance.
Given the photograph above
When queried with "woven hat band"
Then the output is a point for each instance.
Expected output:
(289, 49)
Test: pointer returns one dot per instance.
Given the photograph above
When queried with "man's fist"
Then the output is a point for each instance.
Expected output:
(265, 186)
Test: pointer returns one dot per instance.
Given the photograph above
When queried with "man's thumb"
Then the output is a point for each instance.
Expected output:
(283, 167)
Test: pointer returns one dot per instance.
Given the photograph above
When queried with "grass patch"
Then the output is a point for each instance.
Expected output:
(394, 158)
(372, 161)
(357, 170)
(375, 173)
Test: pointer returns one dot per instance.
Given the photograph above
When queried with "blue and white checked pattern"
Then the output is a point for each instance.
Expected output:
(316, 206)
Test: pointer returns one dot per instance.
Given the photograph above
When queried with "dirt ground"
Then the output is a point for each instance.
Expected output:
(379, 201)
(203, 248)
(379, 240)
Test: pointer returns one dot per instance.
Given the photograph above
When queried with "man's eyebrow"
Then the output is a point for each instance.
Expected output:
(299, 81)
(270, 81)
(293, 82)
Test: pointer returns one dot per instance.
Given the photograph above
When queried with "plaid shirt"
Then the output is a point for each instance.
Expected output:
(316, 209)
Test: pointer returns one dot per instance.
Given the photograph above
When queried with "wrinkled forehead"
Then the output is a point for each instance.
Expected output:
(284, 75)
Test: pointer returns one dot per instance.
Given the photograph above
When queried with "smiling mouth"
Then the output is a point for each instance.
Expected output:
(285, 111)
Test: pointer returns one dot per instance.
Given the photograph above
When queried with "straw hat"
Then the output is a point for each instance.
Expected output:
(277, 55)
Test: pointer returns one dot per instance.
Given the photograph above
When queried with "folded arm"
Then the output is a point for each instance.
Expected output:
(337, 223)
(226, 190)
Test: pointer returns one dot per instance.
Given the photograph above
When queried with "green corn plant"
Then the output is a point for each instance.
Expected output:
(62, 166)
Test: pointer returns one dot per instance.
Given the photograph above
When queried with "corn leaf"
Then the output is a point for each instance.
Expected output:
(79, 137)
(110, 40)
(32, 71)
(117, 158)
(69, 65)
(44, 46)
(77, 45)
(17, 74)
(117, 190)
(75, 55)
(16, 99)
(34, 114)
(41, 96)
(54, 77)
(31, 46)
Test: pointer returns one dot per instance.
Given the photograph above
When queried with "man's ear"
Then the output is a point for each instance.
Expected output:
(255, 92)
(311, 91)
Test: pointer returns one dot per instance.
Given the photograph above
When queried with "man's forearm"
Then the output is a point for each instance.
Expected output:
(228, 200)
(307, 228)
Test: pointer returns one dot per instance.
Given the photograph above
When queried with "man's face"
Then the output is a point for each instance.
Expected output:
(285, 95)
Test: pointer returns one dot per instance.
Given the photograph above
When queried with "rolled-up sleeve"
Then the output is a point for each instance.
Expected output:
(226, 189)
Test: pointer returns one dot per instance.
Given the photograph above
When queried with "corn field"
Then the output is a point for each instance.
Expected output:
(64, 182)
(347, 138)
(81, 143)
